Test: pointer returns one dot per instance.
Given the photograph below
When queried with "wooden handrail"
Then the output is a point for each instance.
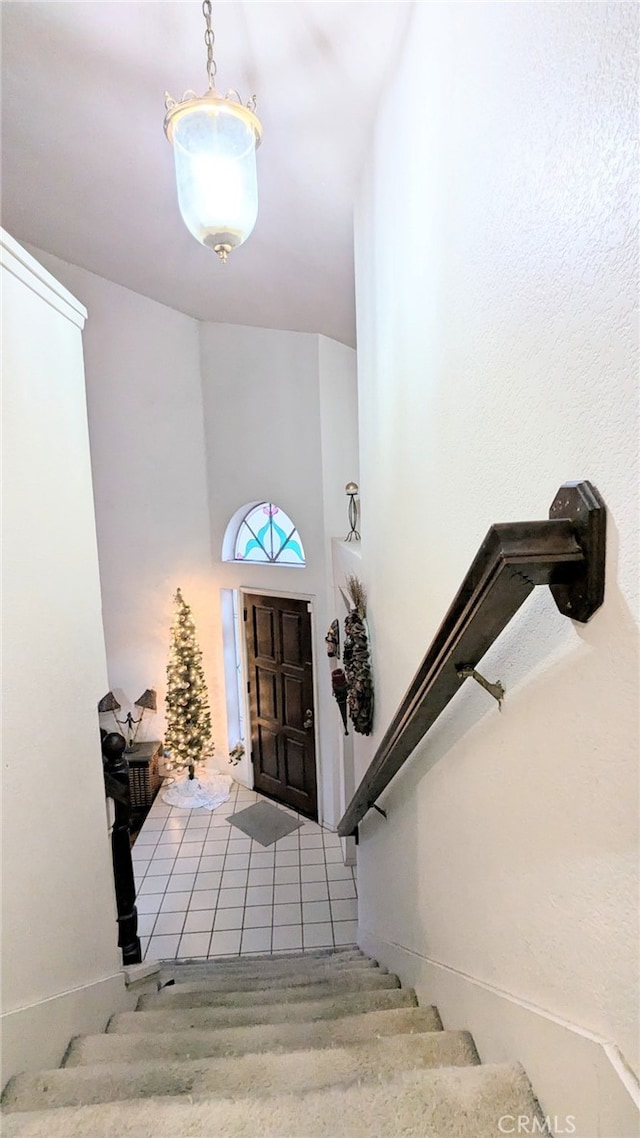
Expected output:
(567, 553)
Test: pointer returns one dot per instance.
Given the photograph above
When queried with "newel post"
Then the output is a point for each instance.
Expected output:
(116, 783)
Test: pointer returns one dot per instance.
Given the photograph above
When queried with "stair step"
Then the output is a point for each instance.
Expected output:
(245, 961)
(279, 964)
(330, 1007)
(441, 1103)
(262, 1074)
(89, 1050)
(284, 990)
(214, 982)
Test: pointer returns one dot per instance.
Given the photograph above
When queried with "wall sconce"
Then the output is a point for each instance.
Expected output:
(146, 702)
(351, 489)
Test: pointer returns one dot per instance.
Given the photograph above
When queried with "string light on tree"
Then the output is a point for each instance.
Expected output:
(188, 735)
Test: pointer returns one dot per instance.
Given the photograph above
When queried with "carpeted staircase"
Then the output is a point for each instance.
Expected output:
(320, 1045)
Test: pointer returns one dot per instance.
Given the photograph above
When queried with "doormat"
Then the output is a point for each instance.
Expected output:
(264, 823)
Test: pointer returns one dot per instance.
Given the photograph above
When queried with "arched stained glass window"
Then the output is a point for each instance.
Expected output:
(267, 534)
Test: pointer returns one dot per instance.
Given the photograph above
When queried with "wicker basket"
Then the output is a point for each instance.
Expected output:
(144, 777)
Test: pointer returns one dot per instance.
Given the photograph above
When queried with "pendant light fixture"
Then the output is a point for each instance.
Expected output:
(214, 140)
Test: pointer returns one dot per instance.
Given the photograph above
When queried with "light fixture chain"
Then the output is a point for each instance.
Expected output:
(209, 39)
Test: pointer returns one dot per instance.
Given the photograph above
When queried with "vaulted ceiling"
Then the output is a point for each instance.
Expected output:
(88, 174)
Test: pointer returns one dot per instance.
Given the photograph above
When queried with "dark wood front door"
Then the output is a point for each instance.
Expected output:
(278, 634)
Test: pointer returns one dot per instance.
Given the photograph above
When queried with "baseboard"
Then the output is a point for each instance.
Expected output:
(582, 1082)
(36, 1037)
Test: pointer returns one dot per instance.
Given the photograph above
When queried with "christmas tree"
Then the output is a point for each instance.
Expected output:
(188, 734)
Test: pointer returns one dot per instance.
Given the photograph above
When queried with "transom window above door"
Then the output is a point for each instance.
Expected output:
(264, 533)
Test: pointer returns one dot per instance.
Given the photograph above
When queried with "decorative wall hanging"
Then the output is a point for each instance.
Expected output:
(332, 640)
(338, 678)
(357, 659)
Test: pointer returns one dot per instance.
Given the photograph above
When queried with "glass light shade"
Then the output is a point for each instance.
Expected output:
(214, 144)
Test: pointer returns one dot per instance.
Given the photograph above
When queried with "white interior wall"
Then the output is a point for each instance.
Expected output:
(60, 960)
(265, 395)
(497, 358)
(147, 453)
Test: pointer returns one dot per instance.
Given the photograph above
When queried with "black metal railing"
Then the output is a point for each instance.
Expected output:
(567, 553)
(116, 785)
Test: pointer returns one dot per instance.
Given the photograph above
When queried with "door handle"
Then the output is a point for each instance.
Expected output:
(308, 719)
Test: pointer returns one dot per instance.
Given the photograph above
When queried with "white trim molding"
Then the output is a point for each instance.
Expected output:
(573, 1071)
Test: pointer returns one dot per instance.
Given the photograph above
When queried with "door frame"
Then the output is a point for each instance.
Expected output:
(285, 594)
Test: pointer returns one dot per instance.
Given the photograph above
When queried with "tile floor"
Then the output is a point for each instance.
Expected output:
(206, 889)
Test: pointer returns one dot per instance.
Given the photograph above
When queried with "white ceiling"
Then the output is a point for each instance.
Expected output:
(88, 174)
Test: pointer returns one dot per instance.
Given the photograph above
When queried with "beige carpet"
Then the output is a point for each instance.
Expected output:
(316, 1046)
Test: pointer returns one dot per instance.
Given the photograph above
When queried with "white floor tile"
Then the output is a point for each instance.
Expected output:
(314, 911)
(175, 903)
(258, 916)
(236, 861)
(146, 838)
(169, 923)
(179, 882)
(225, 943)
(234, 878)
(145, 924)
(140, 868)
(144, 944)
(259, 895)
(214, 847)
(336, 871)
(163, 947)
(256, 940)
(228, 919)
(199, 821)
(208, 880)
(287, 936)
(344, 910)
(153, 823)
(333, 854)
(288, 843)
(286, 914)
(150, 904)
(311, 841)
(262, 859)
(261, 877)
(160, 865)
(186, 864)
(317, 936)
(313, 873)
(153, 885)
(203, 899)
(239, 845)
(342, 889)
(231, 898)
(313, 857)
(286, 893)
(315, 891)
(210, 863)
(191, 849)
(345, 932)
(194, 944)
(287, 857)
(330, 839)
(199, 921)
(287, 875)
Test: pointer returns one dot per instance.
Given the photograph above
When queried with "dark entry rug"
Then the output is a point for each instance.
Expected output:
(264, 823)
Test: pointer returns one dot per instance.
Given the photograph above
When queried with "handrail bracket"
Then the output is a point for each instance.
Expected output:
(496, 690)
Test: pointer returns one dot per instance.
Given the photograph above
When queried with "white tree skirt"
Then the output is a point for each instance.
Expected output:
(207, 792)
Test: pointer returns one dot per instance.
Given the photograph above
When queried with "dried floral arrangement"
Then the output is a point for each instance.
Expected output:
(357, 660)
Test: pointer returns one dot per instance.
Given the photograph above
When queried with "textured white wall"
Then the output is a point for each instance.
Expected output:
(497, 286)
(59, 933)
